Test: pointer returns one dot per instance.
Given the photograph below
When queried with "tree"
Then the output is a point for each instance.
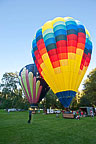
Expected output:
(11, 95)
(89, 95)
(73, 104)
(51, 100)
(84, 101)
(9, 84)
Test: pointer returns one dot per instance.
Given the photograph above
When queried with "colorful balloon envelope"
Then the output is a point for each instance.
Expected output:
(33, 85)
(62, 51)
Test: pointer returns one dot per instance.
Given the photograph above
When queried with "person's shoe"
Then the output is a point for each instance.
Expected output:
(28, 121)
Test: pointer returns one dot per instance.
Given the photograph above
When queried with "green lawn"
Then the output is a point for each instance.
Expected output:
(45, 129)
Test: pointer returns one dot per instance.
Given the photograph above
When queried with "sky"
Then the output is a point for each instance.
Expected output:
(20, 19)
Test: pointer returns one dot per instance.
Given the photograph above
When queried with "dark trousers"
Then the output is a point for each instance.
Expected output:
(29, 118)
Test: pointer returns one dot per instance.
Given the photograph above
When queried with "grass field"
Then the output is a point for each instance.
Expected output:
(45, 129)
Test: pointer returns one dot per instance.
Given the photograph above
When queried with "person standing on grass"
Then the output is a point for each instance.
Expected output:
(81, 113)
(91, 112)
(30, 114)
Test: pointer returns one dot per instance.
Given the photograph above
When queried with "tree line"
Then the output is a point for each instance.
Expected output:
(12, 96)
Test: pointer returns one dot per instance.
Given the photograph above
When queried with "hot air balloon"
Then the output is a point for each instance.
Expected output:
(34, 86)
(62, 51)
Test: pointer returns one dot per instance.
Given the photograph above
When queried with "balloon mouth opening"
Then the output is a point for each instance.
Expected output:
(65, 97)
